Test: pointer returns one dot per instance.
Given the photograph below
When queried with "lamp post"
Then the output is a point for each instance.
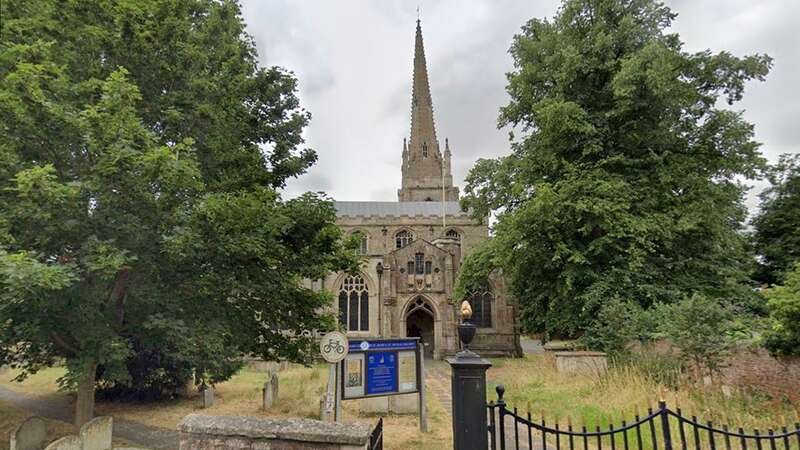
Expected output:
(468, 381)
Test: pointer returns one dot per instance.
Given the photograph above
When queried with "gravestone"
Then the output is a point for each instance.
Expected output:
(29, 435)
(208, 397)
(70, 442)
(270, 392)
(96, 433)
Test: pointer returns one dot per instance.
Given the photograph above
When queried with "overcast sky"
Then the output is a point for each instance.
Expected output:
(354, 59)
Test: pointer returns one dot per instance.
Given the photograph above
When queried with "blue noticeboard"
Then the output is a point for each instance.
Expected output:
(378, 367)
(381, 372)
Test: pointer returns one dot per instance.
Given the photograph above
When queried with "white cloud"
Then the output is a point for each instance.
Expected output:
(353, 60)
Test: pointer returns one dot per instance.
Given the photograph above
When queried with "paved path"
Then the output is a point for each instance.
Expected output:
(437, 380)
(140, 434)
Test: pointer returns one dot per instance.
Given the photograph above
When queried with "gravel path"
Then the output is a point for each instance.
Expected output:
(144, 435)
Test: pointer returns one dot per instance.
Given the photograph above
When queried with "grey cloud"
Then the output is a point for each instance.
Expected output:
(353, 60)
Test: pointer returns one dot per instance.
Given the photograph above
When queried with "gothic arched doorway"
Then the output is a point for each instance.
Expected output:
(420, 323)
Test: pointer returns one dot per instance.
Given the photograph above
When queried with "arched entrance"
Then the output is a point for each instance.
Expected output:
(420, 323)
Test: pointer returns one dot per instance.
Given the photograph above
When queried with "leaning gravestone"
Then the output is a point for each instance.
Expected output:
(29, 435)
(208, 397)
(96, 433)
(270, 391)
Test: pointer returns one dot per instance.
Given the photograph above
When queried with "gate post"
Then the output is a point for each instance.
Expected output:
(468, 382)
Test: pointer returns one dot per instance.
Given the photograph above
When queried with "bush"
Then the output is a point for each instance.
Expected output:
(702, 330)
(783, 337)
(614, 328)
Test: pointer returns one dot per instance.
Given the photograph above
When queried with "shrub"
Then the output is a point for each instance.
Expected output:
(783, 337)
(702, 330)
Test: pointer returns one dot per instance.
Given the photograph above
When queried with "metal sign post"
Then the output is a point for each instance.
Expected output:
(423, 408)
(334, 348)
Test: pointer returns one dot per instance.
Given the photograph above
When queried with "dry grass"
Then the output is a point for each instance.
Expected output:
(532, 384)
(11, 417)
(299, 391)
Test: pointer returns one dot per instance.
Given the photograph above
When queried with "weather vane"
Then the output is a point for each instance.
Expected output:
(417, 13)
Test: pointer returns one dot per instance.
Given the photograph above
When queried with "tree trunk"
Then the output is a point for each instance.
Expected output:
(84, 404)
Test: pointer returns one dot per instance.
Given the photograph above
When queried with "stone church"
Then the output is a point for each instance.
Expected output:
(414, 248)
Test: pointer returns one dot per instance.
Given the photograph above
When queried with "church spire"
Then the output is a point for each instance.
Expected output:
(426, 173)
(423, 143)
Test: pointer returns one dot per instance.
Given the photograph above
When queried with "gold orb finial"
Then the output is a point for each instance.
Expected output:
(466, 310)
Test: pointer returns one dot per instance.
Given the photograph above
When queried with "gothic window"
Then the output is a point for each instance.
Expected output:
(354, 304)
(403, 238)
(411, 267)
(424, 149)
(481, 303)
(419, 263)
(362, 248)
(428, 266)
(451, 233)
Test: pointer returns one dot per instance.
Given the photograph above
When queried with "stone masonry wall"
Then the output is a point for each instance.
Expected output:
(198, 432)
(755, 368)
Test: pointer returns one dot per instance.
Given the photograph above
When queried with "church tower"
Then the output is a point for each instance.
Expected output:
(426, 171)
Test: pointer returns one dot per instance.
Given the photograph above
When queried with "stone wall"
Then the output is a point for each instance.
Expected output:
(198, 432)
(755, 368)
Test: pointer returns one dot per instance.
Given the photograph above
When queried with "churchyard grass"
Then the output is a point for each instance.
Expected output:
(533, 384)
(11, 417)
(299, 390)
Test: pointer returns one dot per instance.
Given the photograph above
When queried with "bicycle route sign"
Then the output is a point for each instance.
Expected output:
(333, 346)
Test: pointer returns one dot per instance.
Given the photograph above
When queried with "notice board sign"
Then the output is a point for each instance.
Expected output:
(378, 367)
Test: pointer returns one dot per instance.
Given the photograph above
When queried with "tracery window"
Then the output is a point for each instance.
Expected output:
(481, 303)
(354, 304)
(419, 263)
(363, 245)
(403, 238)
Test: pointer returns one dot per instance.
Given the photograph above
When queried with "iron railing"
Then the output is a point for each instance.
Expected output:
(376, 438)
(659, 429)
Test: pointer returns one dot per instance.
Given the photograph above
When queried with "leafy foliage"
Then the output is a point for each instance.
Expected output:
(784, 309)
(624, 182)
(142, 151)
(702, 330)
(777, 226)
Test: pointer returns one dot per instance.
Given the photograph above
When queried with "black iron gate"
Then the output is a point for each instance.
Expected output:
(376, 438)
(659, 429)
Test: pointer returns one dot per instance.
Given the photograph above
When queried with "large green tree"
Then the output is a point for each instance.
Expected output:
(623, 182)
(142, 153)
(777, 225)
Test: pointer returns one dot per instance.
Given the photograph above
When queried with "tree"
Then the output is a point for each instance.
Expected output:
(702, 330)
(142, 151)
(783, 338)
(777, 225)
(624, 182)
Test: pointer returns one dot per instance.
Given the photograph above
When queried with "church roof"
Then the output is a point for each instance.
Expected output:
(397, 209)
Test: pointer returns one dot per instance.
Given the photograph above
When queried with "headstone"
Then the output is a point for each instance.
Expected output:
(326, 408)
(70, 442)
(270, 392)
(208, 397)
(374, 405)
(29, 435)
(404, 404)
(96, 433)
